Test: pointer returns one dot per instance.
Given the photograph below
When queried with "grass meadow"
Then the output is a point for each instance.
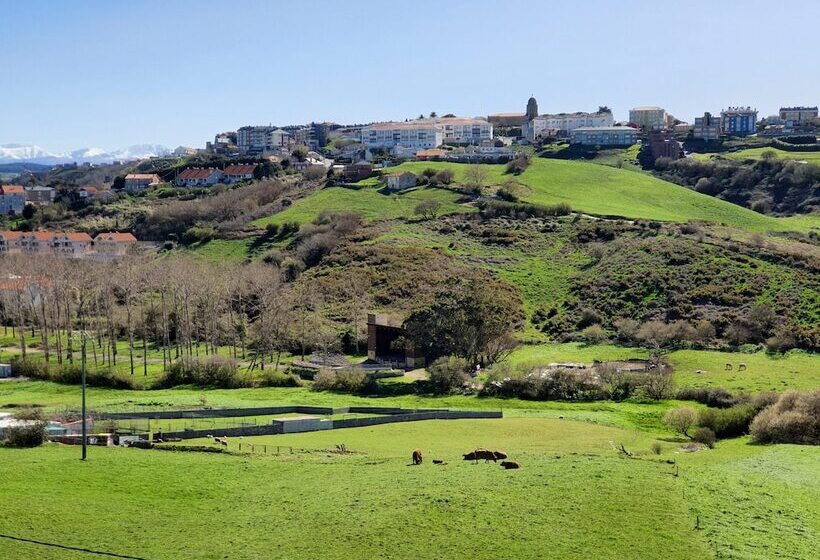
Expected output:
(575, 497)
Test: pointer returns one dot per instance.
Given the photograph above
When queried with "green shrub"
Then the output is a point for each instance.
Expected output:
(275, 378)
(717, 397)
(705, 436)
(656, 448)
(348, 380)
(211, 372)
(448, 374)
(681, 419)
(29, 435)
(70, 374)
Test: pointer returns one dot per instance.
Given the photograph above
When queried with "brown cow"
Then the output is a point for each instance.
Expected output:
(417, 458)
(510, 465)
(500, 454)
(485, 454)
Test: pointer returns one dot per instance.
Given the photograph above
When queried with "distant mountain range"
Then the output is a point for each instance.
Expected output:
(21, 153)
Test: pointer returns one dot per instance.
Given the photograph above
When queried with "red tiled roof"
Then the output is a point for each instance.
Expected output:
(11, 235)
(90, 189)
(115, 236)
(241, 169)
(143, 176)
(74, 236)
(194, 173)
(41, 235)
(13, 189)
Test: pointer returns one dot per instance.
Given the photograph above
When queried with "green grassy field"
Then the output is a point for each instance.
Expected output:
(756, 153)
(573, 498)
(368, 202)
(603, 190)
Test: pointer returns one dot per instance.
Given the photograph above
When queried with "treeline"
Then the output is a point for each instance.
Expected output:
(768, 186)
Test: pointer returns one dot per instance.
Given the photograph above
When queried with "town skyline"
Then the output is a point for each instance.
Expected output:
(117, 89)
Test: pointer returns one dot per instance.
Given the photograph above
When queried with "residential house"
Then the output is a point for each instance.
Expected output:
(400, 181)
(113, 244)
(604, 136)
(12, 199)
(93, 194)
(40, 196)
(648, 118)
(37, 242)
(706, 128)
(10, 242)
(224, 144)
(70, 244)
(313, 159)
(562, 124)
(663, 143)
(254, 140)
(138, 182)
(387, 342)
(738, 121)
(433, 153)
(798, 116)
(238, 172)
(198, 177)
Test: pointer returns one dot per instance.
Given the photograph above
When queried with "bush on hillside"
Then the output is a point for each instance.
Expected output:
(705, 436)
(716, 397)
(210, 372)
(274, 378)
(448, 374)
(728, 422)
(70, 374)
(794, 418)
(681, 419)
(30, 435)
(348, 380)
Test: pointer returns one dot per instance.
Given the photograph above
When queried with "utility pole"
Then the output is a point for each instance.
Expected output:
(83, 366)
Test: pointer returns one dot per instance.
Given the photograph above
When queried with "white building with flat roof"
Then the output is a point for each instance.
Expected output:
(562, 124)
(427, 133)
(648, 118)
(604, 136)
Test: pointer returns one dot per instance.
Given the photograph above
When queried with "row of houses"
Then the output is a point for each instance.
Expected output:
(192, 177)
(107, 245)
(427, 133)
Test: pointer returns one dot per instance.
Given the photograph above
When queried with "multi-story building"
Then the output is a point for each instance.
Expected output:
(10, 242)
(12, 199)
(798, 116)
(648, 118)
(465, 131)
(418, 134)
(137, 182)
(706, 128)
(662, 143)
(562, 124)
(604, 136)
(40, 196)
(69, 244)
(252, 140)
(738, 121)
(111, 245)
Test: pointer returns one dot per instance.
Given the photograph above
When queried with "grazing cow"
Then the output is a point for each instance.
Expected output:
(741, 367)
(728, 367)
(417, 458)
(500, 454)
(510, 465)
(485, 454)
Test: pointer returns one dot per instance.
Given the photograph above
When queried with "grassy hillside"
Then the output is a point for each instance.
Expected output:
(368, 202)
(756, 153)
(757, 502)
(605, 190)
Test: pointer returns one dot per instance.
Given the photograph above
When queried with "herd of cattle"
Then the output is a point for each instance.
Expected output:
(475, 455)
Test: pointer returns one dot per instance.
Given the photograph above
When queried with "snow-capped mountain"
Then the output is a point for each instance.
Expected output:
(18, 153)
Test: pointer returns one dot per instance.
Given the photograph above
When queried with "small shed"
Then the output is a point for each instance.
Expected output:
(5, 370)
(400, 181)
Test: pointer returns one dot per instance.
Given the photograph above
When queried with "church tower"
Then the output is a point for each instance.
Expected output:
(532, 108)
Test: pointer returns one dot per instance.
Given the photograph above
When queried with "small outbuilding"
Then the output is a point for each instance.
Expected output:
(5, 370)
(387, 343)
(400, 181)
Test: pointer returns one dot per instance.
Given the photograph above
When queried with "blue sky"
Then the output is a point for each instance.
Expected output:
(114, 73)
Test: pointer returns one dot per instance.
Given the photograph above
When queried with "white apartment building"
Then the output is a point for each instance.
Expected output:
(414, 134)
(427, 133)
(562, 124)
(798, 115)
(648, 118)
